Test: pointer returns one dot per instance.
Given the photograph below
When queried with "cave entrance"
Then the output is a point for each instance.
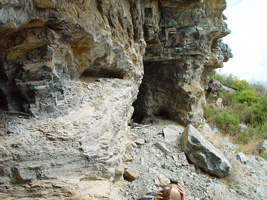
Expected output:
(3, 101)
(154, 92)
(161, 93)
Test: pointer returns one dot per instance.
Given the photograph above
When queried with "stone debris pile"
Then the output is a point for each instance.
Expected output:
(160, 158)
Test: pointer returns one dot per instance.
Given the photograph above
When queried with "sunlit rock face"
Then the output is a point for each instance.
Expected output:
(183, 46)
(70, 72)
(45, 45)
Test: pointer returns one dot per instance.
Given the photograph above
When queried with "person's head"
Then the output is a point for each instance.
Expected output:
(171, 192)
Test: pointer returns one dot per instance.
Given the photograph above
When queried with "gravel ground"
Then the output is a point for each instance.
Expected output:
(156, 164)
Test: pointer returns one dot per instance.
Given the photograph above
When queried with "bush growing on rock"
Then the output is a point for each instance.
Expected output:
(226, 80)
(247, 95)
(228, 122)
(247, 106)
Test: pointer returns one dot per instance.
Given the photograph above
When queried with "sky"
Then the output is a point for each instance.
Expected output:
(247, 20)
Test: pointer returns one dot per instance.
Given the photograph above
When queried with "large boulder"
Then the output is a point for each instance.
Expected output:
(203, 154)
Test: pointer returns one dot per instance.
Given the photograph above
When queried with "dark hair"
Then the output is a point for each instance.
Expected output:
(174, 181)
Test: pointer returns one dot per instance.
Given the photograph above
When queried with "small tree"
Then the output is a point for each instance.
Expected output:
(247, 95)
(259, 88)
(240, 85)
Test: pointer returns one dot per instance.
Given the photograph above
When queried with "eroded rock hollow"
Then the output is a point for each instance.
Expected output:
(183, 46)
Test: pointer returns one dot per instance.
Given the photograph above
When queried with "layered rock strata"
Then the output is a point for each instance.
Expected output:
(70, 71)
(183, 46)
(45, 45)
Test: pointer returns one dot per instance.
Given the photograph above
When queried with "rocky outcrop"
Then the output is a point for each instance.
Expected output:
(261, 147)
(45, 46)
(70, 72)
(183, 46)
(214, 87)
(203, 154)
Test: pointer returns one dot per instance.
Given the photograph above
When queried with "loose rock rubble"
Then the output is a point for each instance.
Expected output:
(72, 75)
(159, 159)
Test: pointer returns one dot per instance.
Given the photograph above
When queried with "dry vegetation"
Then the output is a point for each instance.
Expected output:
(244, 117)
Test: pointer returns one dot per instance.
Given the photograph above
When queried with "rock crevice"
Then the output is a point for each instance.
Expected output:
(183, 46)
(70, 76)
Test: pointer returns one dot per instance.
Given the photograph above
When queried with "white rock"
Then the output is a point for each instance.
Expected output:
(162, 147)
(171, 134)
(242, 158)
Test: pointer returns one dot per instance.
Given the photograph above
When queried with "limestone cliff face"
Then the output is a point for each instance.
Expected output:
(74, 68)
(45, 45)
(183, 46)
(70, 72)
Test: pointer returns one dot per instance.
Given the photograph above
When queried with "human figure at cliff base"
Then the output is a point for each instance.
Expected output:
(172, 191)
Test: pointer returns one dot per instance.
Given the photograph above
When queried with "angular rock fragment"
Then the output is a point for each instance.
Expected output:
(242, 158)
(162, 147)
(203, 154)
(130, 174)
(140, 141)
(171, 134)
(261, 147)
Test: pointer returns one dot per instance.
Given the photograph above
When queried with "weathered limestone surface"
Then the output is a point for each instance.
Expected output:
(45, 45)
(203, 154)
(70, 71)
(183, 45)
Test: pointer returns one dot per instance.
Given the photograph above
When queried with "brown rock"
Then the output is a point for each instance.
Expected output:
(130, 174)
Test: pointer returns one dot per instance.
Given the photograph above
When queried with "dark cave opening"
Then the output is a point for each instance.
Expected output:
(3, 79)
(152, 99)
(3, 101)
(101, 73)
(162, 113)
(137, 118)
(161, 93)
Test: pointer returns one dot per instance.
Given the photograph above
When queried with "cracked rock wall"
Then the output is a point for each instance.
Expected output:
(183, 45)
(45, 45)
(70, 71)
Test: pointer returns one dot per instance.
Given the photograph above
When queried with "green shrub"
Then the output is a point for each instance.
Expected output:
(259, 115)
(247, 95)
(208, 112)
(259, 88)
(248, 105)
(244, 111)
(227, 98)
(240, 85)
(263, 101)
(263, 131)
(247, 135)
(253, 133)
(228, 122)
(226, 80)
